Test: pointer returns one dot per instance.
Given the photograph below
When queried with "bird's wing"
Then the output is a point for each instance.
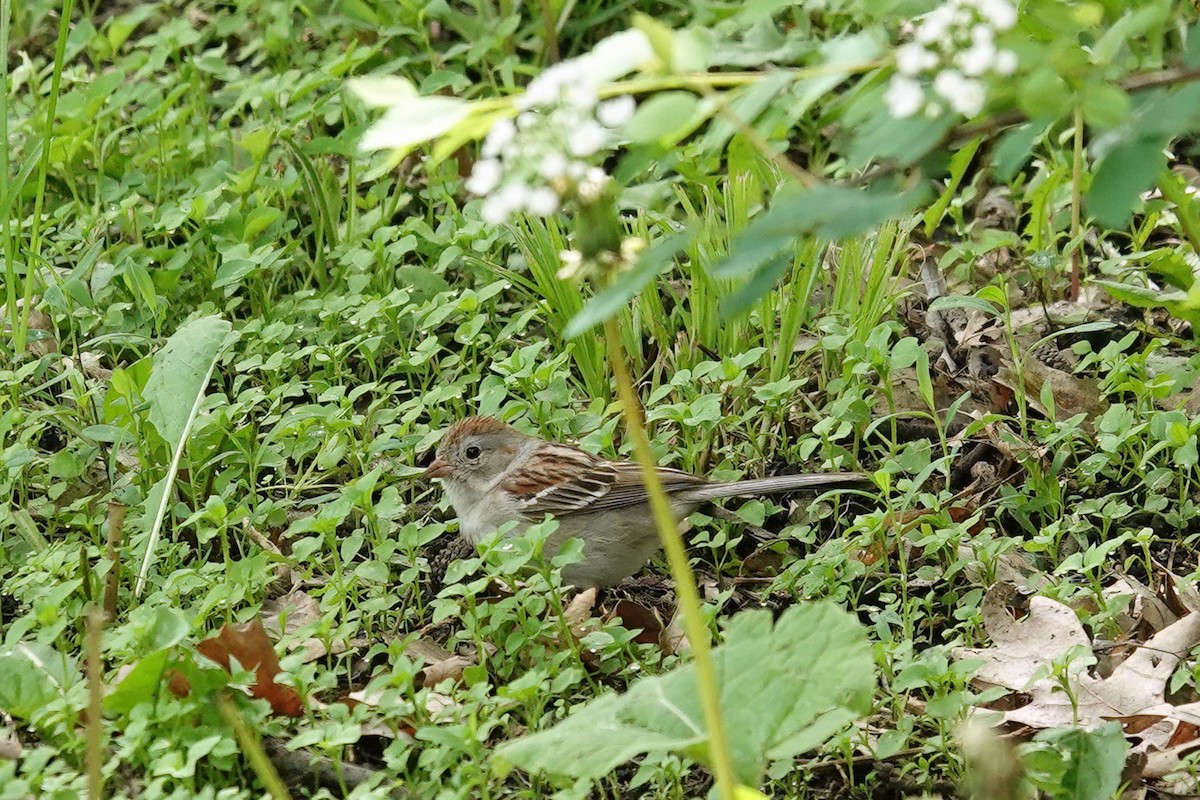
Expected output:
(563, 480)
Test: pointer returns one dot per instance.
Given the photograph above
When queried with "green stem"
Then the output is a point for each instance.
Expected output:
(681, 572)
(1076, 203)
(35, 231)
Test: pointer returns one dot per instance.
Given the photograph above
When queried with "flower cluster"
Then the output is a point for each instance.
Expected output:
(549, 153)
(954, 46)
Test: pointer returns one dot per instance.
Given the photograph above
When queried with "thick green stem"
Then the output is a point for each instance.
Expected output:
(685, 581)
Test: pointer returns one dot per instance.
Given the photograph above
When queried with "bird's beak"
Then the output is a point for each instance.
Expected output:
(440, 468)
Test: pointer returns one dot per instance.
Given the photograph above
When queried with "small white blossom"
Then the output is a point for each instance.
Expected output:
(542, 202)
(553, 165)
(498, 137)
(913, 58)
(978, 58)
(616, 112)
(904, 97)
(1000, 13)
(485, 176)
(966, 96)
(935, 25)
(587, 138)
(592, 185)
(1006, 62)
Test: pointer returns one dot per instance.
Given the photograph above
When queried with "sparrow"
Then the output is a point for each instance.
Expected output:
(493, 474)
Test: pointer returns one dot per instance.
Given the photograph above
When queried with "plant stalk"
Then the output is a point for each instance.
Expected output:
(681, 572)
(1076, 203)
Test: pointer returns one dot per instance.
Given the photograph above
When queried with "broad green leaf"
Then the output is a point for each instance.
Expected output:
(1089, 765)
(180, 372)
(906, 141)
(1177, 303)
(1015, 147)
(785, 688)
(1126, 171)
(829, 211)
(652, 261)
(666, 117)
(34, 675)
(1044, 94)
(182, 369)
(1105, 106)
(139, 685)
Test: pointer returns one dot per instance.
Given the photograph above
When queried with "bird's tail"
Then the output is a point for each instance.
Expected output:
(779, 483)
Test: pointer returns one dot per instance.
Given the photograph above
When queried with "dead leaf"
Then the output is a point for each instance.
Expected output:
(673, 639)
(1023, 650)
(253, 649)
(298, 608)
(579, 611)
(635, 616)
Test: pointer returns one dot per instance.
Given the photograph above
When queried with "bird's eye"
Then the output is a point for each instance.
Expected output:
(473, 452)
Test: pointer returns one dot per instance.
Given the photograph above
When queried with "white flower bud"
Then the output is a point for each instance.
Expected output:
(904, 97)
(485, 177)
(616, 112)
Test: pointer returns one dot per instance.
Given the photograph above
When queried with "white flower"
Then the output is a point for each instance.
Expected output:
(582, 96)
(964, 95)
(554, 165)
(981, 34)
(527, 120)
(1006, 62)
(592, 185)
(493, 212)
(501, 134)
(586, 138)
(616, 112)
(485, 176)
(542, 202)
(1000, 13)
(935, 25)
(904, 97)
(912, 59)
(978, 58)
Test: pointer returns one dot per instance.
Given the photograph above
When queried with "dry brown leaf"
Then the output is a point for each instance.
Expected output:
(635, 616)
(1023, 651)
(253, 649)
(673, 640)
(578, 612)
(298, 608)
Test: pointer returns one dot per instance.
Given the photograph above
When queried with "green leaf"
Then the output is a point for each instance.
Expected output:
(958, 166)
(1104, 105)
(784, 689)
(1176, 303)
(1015, 147)
(1128, 170)
(175, 389)
(1091, 762)
(413, 121)
(180, 372)
(830, 211)
(666, 117)
(1045, 94)
(652, 261)
(139, 685)
(906, 141)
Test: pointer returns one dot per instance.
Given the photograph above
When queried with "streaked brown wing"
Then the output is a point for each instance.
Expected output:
(563, 480)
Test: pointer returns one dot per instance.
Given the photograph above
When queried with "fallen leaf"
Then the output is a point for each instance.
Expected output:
(1023, 652)
(253, 649)
(635, 616)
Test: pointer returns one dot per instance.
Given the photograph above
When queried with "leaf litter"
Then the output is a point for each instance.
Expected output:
(1046, 656)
